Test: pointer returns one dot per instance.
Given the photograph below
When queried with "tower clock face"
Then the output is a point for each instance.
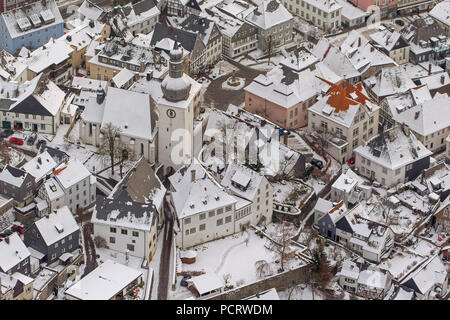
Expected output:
(171, 113)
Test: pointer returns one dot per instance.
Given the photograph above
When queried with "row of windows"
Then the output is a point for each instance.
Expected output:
(124, 231)
(202, 227)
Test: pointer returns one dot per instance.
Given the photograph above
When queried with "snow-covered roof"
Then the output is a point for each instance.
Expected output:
(427, 276)
(325, 5)
(40, 165)
(373, 278)
(362, 54)
(104, 282)
(43, 15)
(195, 191)
(12, 252)
(285, 87)
(393, 149)
(350, 11)
(123, 77)
(347, 181)
(133, 121)
(89, 10)
(53, 189)
(323, 205)
(245, 177)
(57, 225)
(349, 270)
(13, 176)
(386, 39)
(228, 25)
(426, 118)
(207, 282)
(441, 12)
(389, 81)
(268, 14)
(93, 111)
(70, 173)
(436, 81)
(299, 60)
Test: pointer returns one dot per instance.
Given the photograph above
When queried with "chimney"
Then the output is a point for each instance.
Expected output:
(29, 54)
(359, 41)
(442, 79)
(429, 69)
(192, 175)
(7, 240)
(416, 115)
(285, 138)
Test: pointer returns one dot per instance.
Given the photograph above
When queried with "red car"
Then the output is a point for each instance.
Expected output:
(15, 140)
(351, 160)
(17, 228)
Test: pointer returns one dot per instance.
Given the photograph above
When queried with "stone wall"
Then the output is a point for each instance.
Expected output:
(281, 281)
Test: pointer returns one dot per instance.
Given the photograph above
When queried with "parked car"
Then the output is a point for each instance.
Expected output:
(15, 140)
(6, 133)
(183, 281)
(351, 160)
(31, 140)
(317, 163)
(6, 233)
(18, 229)
(41, 143)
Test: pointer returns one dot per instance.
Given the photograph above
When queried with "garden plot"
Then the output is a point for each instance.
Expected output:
(414, 200)
(290, 192)
(422, 247)
(400, 262)
(401, 219)
(235, 258)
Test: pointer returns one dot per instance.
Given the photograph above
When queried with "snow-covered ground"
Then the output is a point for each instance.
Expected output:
(233, 256)
(400, 262)
(284, 192)
(401, 219)
(222, 68)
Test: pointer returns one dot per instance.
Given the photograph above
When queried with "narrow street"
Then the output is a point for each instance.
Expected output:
(221, 98)
(164, 270)
(89, 249)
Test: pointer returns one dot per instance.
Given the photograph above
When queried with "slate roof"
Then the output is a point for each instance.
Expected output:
(193, 4)
(185, 38)
(30, 105)
(143, 6)
(57, 155)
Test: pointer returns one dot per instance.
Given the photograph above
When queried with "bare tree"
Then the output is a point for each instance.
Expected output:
(323, 138)
(5, 152)
(112, 146)
(282, 236)
(263, 269)
(100, 242)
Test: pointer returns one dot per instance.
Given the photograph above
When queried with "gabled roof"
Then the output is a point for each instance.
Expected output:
(57, 225)
(441, 12)
(40, 165)
(185, 38)
(12, 253)
(70, 173)
(13, 176)
(246, 177)
(427, 276)
(268, 14)
(393, 149)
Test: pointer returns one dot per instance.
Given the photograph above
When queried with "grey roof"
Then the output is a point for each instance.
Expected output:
(196, 24)
(57, 155)
(143, 6)
(185, 38)
(30, 105)
(193, 4)
(423, 31)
